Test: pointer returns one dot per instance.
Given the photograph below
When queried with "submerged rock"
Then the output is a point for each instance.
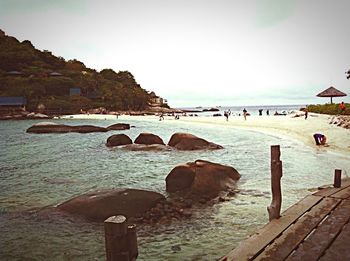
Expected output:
(119, 126)
(100, 205)
(61, 128)
(142, 147)
(51, 127)
(202, 178)
(186, 141)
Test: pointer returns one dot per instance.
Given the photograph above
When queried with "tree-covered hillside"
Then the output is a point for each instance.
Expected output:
(49, 80)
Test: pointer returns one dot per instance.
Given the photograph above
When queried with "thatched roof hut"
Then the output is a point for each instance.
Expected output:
(331, 92)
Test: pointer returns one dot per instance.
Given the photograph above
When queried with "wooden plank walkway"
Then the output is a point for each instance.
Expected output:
(316, 228)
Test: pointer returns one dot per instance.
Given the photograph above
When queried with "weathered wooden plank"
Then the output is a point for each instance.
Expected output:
(340, 249)
(252, 246)
(343, 194)
(295, 234)
(317, 243)
(329, 191)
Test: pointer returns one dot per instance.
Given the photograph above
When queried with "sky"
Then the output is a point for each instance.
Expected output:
(199, 52)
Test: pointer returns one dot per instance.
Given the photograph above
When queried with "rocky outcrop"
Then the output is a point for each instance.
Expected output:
(202, 178)
(148, 139)
(119, 126)
(61, 128)
(166, 212)
(22, 115)
(51, 127)
(118, 140)
(341, 121)
(186, 141)
(211, 109)
(34, 115)
(100, 205)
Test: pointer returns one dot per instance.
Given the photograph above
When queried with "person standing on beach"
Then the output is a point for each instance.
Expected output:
(267, 112)
(306, 113)
(342, 107)
(226, 115)
(245, 114)
(161, 117)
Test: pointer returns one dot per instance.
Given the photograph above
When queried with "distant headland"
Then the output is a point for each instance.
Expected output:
(38, 81)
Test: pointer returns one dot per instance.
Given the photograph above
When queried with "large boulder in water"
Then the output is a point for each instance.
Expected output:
(186, 141)
(100, 205)
(50, 127)
(202, 178)
(148, 139)
(119, 126)
(118, 140)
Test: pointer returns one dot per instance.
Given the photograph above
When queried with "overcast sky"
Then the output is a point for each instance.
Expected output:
(199, 52)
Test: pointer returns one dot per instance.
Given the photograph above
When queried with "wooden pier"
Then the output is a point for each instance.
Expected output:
(316, 228)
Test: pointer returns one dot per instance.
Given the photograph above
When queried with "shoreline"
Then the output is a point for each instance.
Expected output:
(291, 126)
(338, 138)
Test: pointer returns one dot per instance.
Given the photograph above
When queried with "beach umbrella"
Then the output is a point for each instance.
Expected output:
(331, 92)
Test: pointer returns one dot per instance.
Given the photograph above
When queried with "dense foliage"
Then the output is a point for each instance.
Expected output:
(46, 79)
(332, 109)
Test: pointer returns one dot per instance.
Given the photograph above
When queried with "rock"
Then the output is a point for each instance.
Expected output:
(180, 178)
(211, 109)
(148, 139)
(100, 205)
(119, 126)
(61, 128)
(186, 141)
(33, 115)
(187, 213)
(50, 127)
(142, 147)
(176, 248)
(202, 178)
(118, 140)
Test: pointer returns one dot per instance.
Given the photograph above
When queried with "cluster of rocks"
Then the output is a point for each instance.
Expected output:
(23, 115)
(193, 183)
(180, 141)
(51, 127)
(341, 121)
(165, 212)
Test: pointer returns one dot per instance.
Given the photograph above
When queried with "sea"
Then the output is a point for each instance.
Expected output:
(41, 170)
(238, 110)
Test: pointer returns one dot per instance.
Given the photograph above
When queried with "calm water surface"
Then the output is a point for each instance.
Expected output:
(42, 170)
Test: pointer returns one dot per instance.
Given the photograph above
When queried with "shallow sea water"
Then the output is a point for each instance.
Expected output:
(47, 169)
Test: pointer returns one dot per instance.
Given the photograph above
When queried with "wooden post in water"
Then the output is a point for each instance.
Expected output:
(337, 178)
(120, 239)
(274, 209)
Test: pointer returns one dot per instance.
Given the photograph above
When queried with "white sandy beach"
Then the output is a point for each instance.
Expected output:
(298, 128)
